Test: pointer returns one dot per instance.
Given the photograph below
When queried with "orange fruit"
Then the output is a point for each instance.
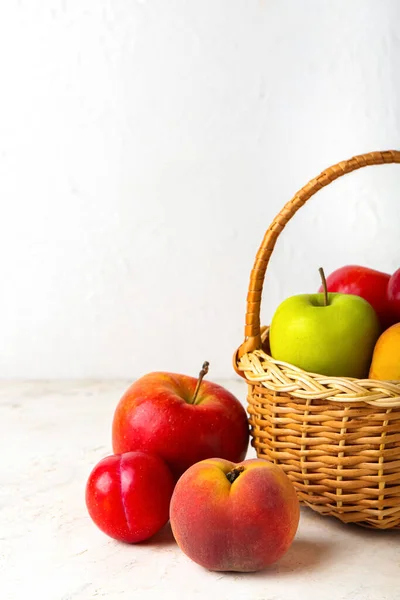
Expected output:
(385, 364)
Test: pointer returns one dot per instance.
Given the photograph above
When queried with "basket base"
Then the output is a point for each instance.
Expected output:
(371, 517)
(343, 459)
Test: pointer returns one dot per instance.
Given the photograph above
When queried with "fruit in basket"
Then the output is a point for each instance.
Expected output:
(182, 419)
(128, 495)
(393, 293)
(329, 333)
(370, 284)
(234, 517)
(385, 364)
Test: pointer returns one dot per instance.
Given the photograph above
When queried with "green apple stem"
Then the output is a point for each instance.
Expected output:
(234, 474)
(324, 285)
(204, 371)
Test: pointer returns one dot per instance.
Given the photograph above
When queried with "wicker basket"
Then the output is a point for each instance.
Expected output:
(337, 438)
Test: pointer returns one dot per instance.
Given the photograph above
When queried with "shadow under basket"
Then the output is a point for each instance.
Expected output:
(337, 438)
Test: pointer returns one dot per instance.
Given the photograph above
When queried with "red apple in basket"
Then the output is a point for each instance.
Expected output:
(370, 284)
(182, 419)
(393, 293)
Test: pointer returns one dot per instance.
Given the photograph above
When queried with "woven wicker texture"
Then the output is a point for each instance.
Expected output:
(338, 439)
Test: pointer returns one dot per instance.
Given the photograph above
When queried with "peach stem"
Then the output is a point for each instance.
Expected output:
(204, 371)
(234, 474)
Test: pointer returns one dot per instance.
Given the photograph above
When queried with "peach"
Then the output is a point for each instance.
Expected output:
(234, 517)
(385, 362)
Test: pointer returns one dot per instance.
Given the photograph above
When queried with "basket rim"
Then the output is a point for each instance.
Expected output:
(280, 377)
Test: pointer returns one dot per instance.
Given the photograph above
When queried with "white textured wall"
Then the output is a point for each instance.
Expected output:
(146, 145)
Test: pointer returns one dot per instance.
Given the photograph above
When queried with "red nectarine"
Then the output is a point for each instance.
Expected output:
(128, 495)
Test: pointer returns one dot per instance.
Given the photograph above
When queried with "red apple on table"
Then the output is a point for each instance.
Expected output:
(370, 284)
(182, 419)
(128, 495)
(393, 293)
(234, 517)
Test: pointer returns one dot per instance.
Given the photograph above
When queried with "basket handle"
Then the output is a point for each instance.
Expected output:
(252, 331)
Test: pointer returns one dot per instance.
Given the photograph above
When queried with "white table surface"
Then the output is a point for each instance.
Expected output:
(52, 434)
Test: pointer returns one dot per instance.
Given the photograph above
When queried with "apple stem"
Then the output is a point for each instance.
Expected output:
(324, 285)
(234, 474)
(204, 371)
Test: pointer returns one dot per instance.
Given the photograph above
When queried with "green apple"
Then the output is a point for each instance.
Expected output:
(331, 334)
